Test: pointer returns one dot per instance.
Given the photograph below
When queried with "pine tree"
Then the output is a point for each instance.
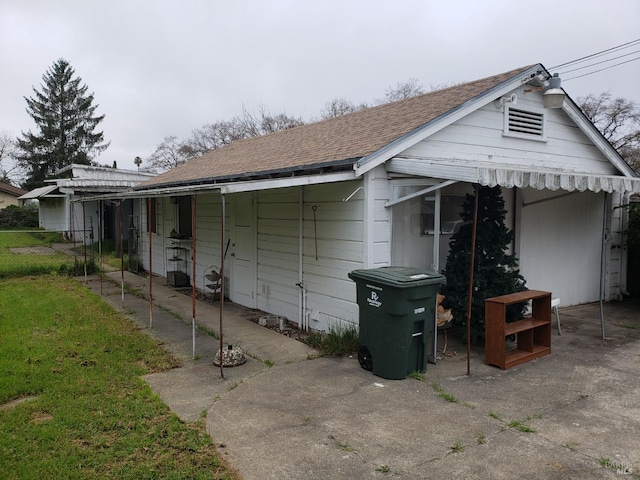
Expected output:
(496, 271)
(65, 117)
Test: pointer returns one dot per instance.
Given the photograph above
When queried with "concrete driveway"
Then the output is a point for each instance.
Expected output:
(572, 414)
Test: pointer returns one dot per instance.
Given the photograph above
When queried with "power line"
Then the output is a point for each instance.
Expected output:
(581, 59)
(562, 72)
(600, 70)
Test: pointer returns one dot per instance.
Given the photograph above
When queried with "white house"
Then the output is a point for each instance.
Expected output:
(59, 209)
(295, 211)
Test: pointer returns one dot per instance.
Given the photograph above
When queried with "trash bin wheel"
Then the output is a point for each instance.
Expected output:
(364, 357)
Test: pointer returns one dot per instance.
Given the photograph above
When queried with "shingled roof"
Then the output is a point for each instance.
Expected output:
(332, 144)
(11, 190)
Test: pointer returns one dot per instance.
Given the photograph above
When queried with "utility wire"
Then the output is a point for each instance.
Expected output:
(600, 70)
(581, 59)
(562, 72)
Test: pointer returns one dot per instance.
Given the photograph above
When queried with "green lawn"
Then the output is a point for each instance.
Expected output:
(88, 413)
(14, 264)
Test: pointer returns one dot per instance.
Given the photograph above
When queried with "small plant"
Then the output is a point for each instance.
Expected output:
(417, 375)
(268, 363)
(306, 419)
(344, 446)
(605, 462)
(482, 438)
(457, 447)
(442, 394)
(521, 426)
(495, 416)
(341, 340)
(383, 469)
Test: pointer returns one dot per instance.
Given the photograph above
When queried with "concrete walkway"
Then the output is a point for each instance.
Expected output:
(572, 414)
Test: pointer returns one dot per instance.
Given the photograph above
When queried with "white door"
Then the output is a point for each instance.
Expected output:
(243, 271)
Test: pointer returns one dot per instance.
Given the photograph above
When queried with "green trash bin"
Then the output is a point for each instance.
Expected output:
(397, 318)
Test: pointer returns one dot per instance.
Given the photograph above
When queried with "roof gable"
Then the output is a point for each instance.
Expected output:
(336, 143)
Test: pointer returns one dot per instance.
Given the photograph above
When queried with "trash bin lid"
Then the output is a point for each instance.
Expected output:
(399, 277)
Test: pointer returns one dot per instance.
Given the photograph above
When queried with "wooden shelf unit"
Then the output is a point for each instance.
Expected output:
(534, 334)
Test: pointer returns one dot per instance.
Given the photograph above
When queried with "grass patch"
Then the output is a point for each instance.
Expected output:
(92, 415)
(39, 262)
(442, 394)
(383, 469)
(418, 376)
(521, 426)
(495, 416)
(481, 439)
(341, 340)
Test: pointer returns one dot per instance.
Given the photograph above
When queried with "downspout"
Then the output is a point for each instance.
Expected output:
(603, 255)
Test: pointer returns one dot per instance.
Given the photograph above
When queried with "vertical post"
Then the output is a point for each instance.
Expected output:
(471, 270)
(603, 261)
(84, 238)
(193, 274)
(121, 254)
(149, 223)
(222, 226)
(100, 228)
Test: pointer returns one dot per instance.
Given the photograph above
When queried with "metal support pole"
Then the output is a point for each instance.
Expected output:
(222, 255)
(193, 275)
(471, 270)
(149, 223)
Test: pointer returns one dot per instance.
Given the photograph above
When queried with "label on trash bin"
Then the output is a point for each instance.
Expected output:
(419, 276)
(373, 300)
(419, 310)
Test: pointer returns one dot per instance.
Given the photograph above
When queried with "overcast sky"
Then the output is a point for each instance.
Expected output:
(161, 67)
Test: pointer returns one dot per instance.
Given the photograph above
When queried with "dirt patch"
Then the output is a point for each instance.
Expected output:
(33, 251)
(40, 417)
(9, 405)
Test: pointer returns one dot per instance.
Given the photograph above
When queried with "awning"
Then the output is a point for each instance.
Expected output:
(510, 177)
(38, 192)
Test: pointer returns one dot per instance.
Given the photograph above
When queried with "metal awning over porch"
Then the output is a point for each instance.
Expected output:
(490, 175)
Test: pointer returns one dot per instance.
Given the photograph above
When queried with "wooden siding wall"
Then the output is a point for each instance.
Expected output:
(377, 219)
(339, 232)
(479, 137)
(208, 237)
(336, 233)
(560, 244)
(277, 255)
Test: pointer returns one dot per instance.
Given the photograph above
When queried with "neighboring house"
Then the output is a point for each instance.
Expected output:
(301, 208)
(59, 208)
(9, 195)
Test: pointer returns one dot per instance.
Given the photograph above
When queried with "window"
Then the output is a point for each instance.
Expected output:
(524, 123)
(183, 222)
(450, 210)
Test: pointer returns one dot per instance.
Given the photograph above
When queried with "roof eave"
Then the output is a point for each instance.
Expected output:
(325, 167)
(390, 150)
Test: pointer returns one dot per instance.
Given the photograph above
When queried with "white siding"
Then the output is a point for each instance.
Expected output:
(277, 256)
(479, 137)
(339, 231)
(560, 244)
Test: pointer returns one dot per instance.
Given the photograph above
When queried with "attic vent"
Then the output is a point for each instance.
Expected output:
(524, 123)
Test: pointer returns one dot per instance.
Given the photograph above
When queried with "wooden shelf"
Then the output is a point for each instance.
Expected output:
(534, 334)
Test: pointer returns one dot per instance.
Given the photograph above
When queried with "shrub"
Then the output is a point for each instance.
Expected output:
(19, 217)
